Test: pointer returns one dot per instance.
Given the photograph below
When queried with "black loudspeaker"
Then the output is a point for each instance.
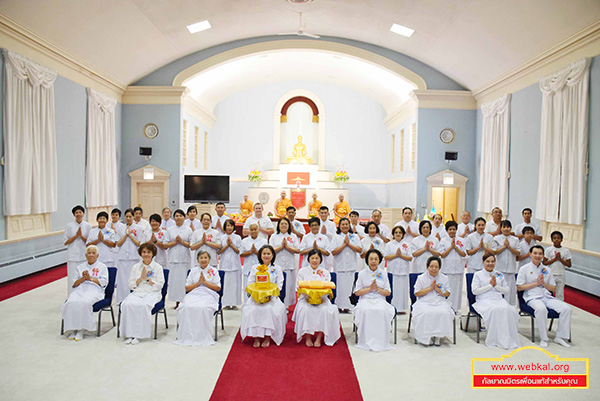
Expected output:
(145, 151)
(451, 156)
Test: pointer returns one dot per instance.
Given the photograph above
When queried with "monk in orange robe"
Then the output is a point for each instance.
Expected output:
(314, 206)
(282, 204)
(245, 209)
(340, 209)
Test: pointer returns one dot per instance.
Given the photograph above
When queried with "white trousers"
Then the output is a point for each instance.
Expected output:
(541, 305)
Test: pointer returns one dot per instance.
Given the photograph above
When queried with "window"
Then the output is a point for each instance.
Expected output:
(197, 146)
(413, 145)
(184, 142)
(205, 150)
(393, 148)
(401, 150)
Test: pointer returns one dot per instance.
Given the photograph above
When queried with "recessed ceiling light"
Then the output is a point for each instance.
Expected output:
(402, 30)
(199, 26)
(299, 1)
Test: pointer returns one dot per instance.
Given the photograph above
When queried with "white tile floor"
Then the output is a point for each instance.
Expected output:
(36, 363)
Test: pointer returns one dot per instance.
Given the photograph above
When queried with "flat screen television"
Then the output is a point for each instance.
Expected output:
(206, 188)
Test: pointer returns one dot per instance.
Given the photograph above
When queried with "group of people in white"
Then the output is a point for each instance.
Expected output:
(196, 250)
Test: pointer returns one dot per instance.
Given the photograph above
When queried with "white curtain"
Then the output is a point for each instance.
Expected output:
(101, 169)
(495, 147)
(561, 194)
(29, 137)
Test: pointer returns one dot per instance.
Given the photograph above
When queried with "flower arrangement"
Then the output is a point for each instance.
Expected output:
(234, 216)
(341, 176)
(255, 176)
(269, 214)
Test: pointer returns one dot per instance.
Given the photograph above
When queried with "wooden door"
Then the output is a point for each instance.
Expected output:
(151, 197)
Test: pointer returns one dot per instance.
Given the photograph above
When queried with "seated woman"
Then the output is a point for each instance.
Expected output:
(432, 313)
(373, 314)
(88, 288)
(145, 281)
(266, 320)
(199, 304)
(322, 319)
(501, 319)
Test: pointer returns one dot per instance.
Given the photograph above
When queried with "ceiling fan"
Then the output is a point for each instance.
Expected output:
(301, 31)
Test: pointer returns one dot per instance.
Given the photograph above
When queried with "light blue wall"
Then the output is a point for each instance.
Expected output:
(165, 147)
(166, 74)
(431, 150)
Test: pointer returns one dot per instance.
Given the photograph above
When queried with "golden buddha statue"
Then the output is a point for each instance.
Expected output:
(299, 153)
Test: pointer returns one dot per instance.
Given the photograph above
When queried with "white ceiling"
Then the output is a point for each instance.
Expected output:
(471, 41)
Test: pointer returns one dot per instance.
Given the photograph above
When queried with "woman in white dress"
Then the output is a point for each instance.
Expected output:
(158, 236)
(323, 319)
(198, 307)
(249, 251)
(146, 282)
(287, 246)
(178, 243)
(206, 239)
(88, 288)
(398, 253)
(373, 315)
(501, 319)
(424, 247)
(453, 252)
(432, 313)
(345, 247)
(231, 265)
(265, 321)
(437, 229)
(372, 240)
(75, 236)
(129, 236)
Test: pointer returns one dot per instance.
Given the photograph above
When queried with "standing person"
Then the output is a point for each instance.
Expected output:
(538, 284)
(297, 226)
(373, 240)
(200, 303)
(158, 238)
(478, 243)
(528, 223)
(265, 321)
(424, 247)
(410, 227)
(231, 265)
(327, 228)
(398, 253)
(264, 223)
(341, 209)
(432, 313)
(501, 319)
(345, 246)
(286, 247)
(191, 221)
(557, 257)
(355, 225)
(452, 249)
(465, 227)
(245, 209)
(115, 222)
(166, 221)
(493, 227)
(206, 239)
(282, 204)
(525, 245)
(90, 280)
(76, 234)
(138, 215)
(437, 229)
(178, 242)
(313, 240)
(314, 206)
(249, 251)
(373, 315)
(507, 250)
(219, 220)
(104, 238)
(128, 241)
(384, 231)
(321, 320)
(145, 282)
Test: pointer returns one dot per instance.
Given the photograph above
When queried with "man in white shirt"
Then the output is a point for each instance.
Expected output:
(411, 227)
(314, 240)
(297, 226)
(465, 227)
(384, 231)
(355, 226)
(493, 226)
(327, 226)
(218, 221)
(76, 234)
(265, 225)
(143, 223)
(527, 222)
(537, 282)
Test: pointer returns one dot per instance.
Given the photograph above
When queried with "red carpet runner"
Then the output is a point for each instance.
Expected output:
(32, 281)
(289, 372)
